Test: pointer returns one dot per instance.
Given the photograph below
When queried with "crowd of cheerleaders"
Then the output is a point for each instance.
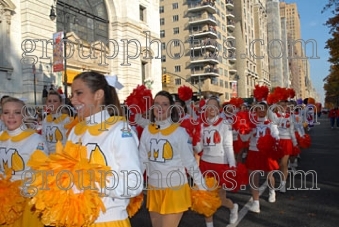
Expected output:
(211, 138)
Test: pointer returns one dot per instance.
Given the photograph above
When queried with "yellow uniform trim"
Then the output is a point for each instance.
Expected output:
(23, 135)
(167, 131)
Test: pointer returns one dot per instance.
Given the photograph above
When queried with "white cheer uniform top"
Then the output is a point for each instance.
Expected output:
(109, 141)
(263, 126)
(285, 125)
(217, 142)
(16, 148)
(53, 129)
(165, 151)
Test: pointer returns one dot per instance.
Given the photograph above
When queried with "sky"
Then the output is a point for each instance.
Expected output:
(312, 27)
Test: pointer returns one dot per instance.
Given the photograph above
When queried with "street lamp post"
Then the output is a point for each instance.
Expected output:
(52, 16)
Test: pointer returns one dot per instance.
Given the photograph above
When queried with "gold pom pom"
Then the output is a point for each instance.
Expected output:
(72, 196)
(135, 204)
(206, 202)
(12, 203)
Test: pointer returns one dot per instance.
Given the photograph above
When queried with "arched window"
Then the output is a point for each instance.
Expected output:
(88, 19)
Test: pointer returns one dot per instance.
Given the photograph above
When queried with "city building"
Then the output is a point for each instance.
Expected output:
(251, 46)
(296, 48)
(198, 47)
(109, 37)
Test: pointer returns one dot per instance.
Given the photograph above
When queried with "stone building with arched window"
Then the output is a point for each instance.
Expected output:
(110, 37)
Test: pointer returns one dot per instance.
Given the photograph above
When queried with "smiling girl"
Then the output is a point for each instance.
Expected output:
(17, 143)
(165, 151)
(53, 126)
(109, 141)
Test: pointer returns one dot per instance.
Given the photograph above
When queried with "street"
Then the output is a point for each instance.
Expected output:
(316, 205)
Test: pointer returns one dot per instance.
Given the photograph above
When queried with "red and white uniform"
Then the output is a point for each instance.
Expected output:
(288, 140)
(257, 157)
(218, 155)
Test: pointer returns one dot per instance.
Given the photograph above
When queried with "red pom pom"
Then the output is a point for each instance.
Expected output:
(295, 151)
(196, 134)
(281, 93)
(243, 124)
(303, 142)
(260, 93)
(241, 176)
(140, 99)
(187, 124)
(291, 93)
(237, 102)
(185, 93)
(272, 98)
(267, 144)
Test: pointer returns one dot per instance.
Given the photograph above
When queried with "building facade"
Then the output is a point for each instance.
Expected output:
(110, 37)
(198, 47)
(251, 45)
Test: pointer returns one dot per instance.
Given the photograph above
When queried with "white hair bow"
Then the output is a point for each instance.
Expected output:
(112, 80)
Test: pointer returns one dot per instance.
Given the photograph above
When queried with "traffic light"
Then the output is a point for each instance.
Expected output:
(165, 79)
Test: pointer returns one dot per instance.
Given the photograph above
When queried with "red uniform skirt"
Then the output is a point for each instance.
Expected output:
(238, 145)
(230, 179)
(257, 160)
(285, 147)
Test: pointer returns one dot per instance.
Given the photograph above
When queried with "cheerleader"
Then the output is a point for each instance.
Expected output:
(53, 126)
(165, 151)
(218, 154)
(109, 141)
(287, 142)
(17, 143)
(259, 157)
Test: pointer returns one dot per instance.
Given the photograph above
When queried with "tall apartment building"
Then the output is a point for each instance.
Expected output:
(198, 46)
(296, 54)
(251, 45)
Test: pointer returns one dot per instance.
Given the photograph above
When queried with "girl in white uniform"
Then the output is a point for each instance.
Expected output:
(218, 154)
(17, 143)
(53, 126)
(165, 152)
(109, 141)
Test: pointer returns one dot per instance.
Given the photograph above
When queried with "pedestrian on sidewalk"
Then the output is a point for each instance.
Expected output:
(44, 95)
(332, 114)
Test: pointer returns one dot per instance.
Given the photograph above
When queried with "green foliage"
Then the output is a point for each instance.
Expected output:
(331, 85)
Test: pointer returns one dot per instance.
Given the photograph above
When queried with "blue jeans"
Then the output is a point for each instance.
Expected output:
(332, 119)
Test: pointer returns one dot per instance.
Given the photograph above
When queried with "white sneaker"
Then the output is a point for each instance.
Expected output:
(234, 213)
(271, 196)
(283, 187)
(254, 206)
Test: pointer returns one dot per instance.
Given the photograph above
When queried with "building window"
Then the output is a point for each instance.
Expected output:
(176, 30)
(177, 68)
(163, 46)
(221, 83)
(226, 85)
(175, 18)
(163, 58)
(142, 12)
(162, 21)
(177, 81)
(176, 55)
(162, 33)
(175, 5)
(214, 81)
(161, 9)
(176, 43)
(227, 96)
